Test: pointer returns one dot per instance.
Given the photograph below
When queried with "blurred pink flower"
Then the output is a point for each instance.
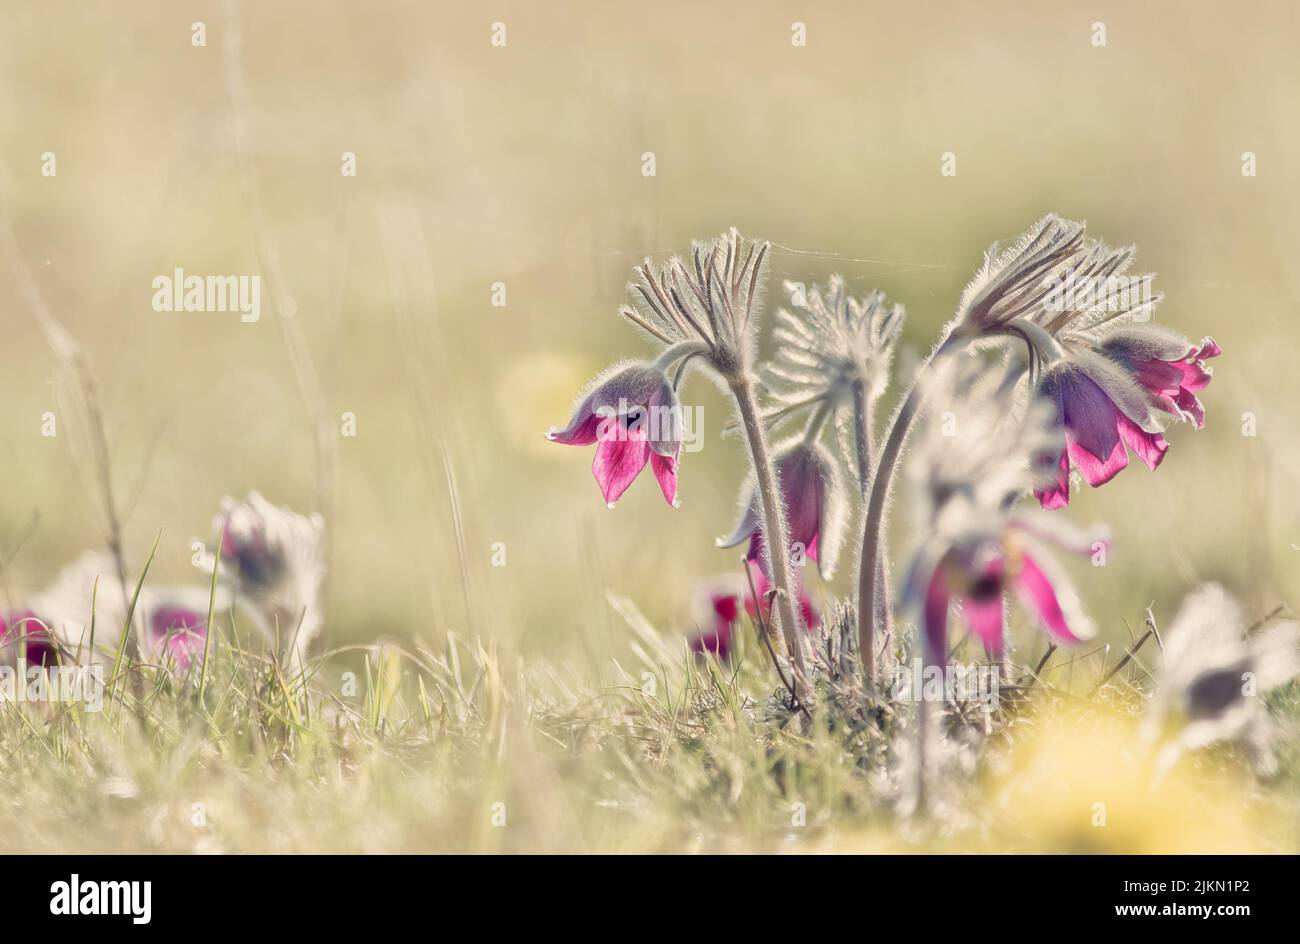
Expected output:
(25, 626)
(632, 411)
(723, 616)
(977, 569)
(177, 633)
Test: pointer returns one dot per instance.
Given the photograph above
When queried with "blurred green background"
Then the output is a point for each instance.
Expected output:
(522, 165)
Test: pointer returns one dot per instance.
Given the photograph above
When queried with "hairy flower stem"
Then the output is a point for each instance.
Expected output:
(863, 417)
(872, 596)
(774, 529)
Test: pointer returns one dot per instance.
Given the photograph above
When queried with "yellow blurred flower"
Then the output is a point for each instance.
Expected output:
(1086, 786)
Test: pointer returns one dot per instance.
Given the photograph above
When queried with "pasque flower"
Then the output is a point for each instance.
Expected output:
(274, 558)
(166, 619)
(1089, 347)
(974, 463)
(975, 570)
(632, 413)
(1169, 366)
(815, 506)
(25, 628)
(1211, 676)
(174, 625)
(722, 609)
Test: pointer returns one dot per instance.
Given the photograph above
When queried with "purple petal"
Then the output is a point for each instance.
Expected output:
(935, 617)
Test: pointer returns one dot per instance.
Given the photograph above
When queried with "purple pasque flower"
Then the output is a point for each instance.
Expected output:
(1170, 367)
(975, 570)
(1103, 413)
(1089, 347)
(23, 627)
(975, 461)
(816, 508)
(177, 633)
(631, 412)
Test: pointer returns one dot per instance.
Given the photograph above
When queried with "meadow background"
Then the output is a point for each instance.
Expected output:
(522, 165)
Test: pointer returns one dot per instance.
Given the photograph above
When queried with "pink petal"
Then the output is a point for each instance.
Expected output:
(984, 617)
(1033, 587)
(665, 470)
(1058, 494)
(1194, 376)
(619, 460)
(802, 490)
(1208, 348)
(1149, 447)
(935, 617)
(1188, 403)
(581, 432)
(811, 618)
(1094, 469)
(1160, 377)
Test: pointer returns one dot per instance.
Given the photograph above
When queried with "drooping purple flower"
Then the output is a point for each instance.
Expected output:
(815, 509)
(975, 462)
(1084, 321)
(1169, 366)
(977, 570)
(1103, 415)
(632, 413)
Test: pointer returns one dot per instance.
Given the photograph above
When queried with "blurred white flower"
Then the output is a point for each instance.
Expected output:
(170, 622)
(65, 607)
(1211, 679)
(274, 559)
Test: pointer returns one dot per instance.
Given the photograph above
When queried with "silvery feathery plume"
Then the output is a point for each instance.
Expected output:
(1212, 676)
(272, 557)
(974, 462)
(832, 356)
(1084, 321)
(703, 309)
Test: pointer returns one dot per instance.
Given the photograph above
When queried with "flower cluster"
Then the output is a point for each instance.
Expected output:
(1089, 347)
(1052, 363)
(271, 562)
